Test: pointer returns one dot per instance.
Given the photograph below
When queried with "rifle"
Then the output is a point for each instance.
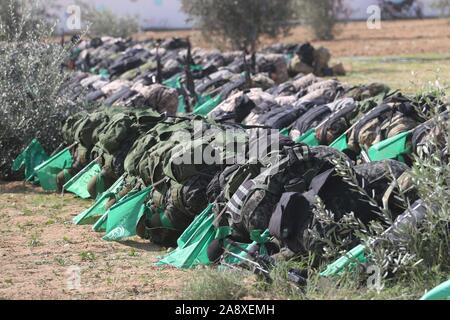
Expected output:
(189, 79)
(410, 218)
(259, 264)
(159, 78)
(247, 71)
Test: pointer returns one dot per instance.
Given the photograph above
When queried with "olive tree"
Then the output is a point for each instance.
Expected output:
(105, 22)
(240, 24)
(32, 101)
(443, 5)
(321, 15)
(22, 16)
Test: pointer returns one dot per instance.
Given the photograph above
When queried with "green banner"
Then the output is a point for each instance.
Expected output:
(193, 244)
(98, 209)
(78, 184)
(48, 170)
(31, 157)
(123, 217)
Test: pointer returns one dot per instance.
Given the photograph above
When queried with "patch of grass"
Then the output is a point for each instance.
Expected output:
(23, 226)
(27, 212)
(407, 72)
(50, 222)
(57, 206)
(60, 261)
(40, 200)
(34, 241)
(66, 239)
(87, 256)
(133, 253)
(108, 267)
(216, 285)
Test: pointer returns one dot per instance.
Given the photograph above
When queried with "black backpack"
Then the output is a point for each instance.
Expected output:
(309, 120)
(280, 117)
(306, 54)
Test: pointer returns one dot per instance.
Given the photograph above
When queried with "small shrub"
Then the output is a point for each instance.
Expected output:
(87, 256)
(34, 241)
(32, 103)
(321, 16)
(216, 285)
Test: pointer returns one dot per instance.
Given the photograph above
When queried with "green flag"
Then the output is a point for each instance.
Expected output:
(309, 138)
(91, 215)
(285, 132)
(101, 224)
(193, 244)
(30, 158)
(124, 216)
(174, 82)
(340, 143)
(441, 292)
(48, 170)
(391, 148)
(208, 106)
(78, 184)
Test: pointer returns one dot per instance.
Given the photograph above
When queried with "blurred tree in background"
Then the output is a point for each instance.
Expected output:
(105, 22)
(443, 5)
(321, 16)
(240, 23)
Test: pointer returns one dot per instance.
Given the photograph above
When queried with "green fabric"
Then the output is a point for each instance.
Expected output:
(340, 143)
(223, 232)
(348, 261)
(174, 82)
(78, 184)
(104, 73)
(102, 223)
(48, 170)
(31, 157)
(441, 292)
(123, 217)
(285, 132)
(181, 104)
(391, 148)
(257, 237)
(208, 106)
(100, 184)
(193, 244)
(309, 138)
(91, 215)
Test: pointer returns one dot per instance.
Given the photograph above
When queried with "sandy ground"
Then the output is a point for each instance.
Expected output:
(355, 39)
(39, 248)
